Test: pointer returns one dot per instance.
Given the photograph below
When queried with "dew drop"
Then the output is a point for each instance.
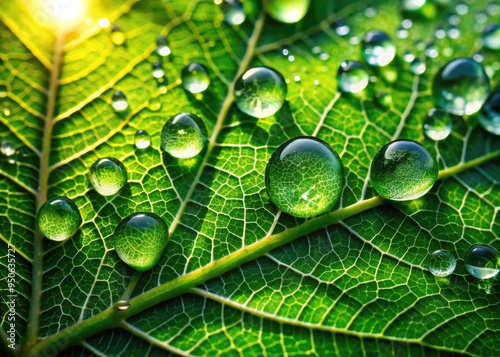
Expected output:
(108, 176)
(162, 47)
(59, 218)
(378, 49)
(287, 11)
(403, 170)
(384, 99)
(122, 305)
(119, 101)
(304, 177)
(408, 56)
(341, 28)
(7, 149)
(493, 9)
(407, 24)
(441, 263)
(402, 33)
(195, 77)
(140, 239)
(260, 92)
(158, 71)
(461, 86)
(431, 51)
(491, 37)
(6, 111)
(481, 17)
(481, 261)
(437, 125)
(489, 116)
(454, 20)
(440, 33)
(117, 35)
(184, 135)
(453, 32)
(412, 5)
(478, 57)
(352, 77)
(417, 66)
(234, 12)
(142, 139)
(462, 8)
(370, 12)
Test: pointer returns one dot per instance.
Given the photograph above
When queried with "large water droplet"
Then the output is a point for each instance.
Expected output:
(304, 177)
(119, 101)
(108, 176)
(437, 125)
(142, 139)
(489, 117)
(441, 263)
(140, 240)
(491, 37)
(287, 11)
(378, 49)
(412, 5)
(403, 170)
(461, 86)
(184, 135)
(417, 66)
(117, 35)
(195, 77)
(481, 261)
(260, 92)
(234, 13)
(158, 71)
(352, 77)
(59, 218)
(162, 47)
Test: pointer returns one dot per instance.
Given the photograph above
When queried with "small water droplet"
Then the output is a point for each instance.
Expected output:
(431, 51)
(481, 18)
(140, 240)
(59, 218)
(408, 56)
(234, 12)
(103, 23)
(142, 139)
(491, 37)
(403, 170)
(453, 32)
(296, 77)
(8, 150)
(493, 9)
(454, 20)
(440, 33)
(478, 57)
(437, 125)
(117, 35)
(324, 56)
(304, 177)
(412, 5)
(378, 49)
(352, 77)
(122, 305)
(441, 263)
(461, 86)
(354, 40)
(316, 82)
(341, 28)
(195, 77)
(481, 261)
(162, 47)
(108, 176)
(119, 101)
(407, 24)
(370, 12)
(383, 99)
(289, 11)
(402, 33)
(291, 58)
(489, 116)
(184, 136)
(417, 66)
(260, 92)
(158, 71)
(6, 111)
(462, 8)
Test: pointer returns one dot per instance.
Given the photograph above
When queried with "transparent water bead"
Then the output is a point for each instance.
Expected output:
(59, 218)
(489, 116)
(491, 37)
(162, 47)
(441, 263)
(184, 135)
(287, 11)
(341, 28)
(140, 239)
(142, 139)
(378, 49)
(412, 5)
(417, 66)
(122, 305)
(304, 177)
(403, 170)
(7, 148)
(352, 77)
(234, 13)
(158, 71)
(482, 261)
(195, 77)
(260, 92)
(437, 125)
(117, 36)
(461, 86)
(119, 101)
(108, 176)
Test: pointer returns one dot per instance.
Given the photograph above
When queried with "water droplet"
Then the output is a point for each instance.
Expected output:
(234, 13)
(316, 82)
(481, 18)
(352, 77)
(454, 20)
(103, 23)
(440, 33)
(195, 77)
(493, 9)
(437, 125)
(59, 218)
(6, 111)
(184, 136)
(412, 5)
(378, 49)
(402, 33)
(140, 239)
(403, 170)
(489, 116)
(162, 47)
(291, 58)
(461, 86)
(287, 11)
(354, 40)
(431, 51)
(453, 32)
(122, 305)
(384, 99)
(296, 77)
(481, 261)
(491, 37)
(408, 56)
(108, 176)
(142, 139)
(341, 28)
(407, 24)
(441, 263)
(260, 92)
(370, 12)
(158, 71)
(3, 91)
(117, 35)
(462, 8)
(7, 148)
(478, 57)
(119, 101)
(417, 66)
(304, 177)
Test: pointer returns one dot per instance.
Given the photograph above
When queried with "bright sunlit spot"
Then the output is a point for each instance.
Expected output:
(64, 15)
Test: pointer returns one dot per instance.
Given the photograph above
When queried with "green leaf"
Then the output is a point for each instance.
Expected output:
(237, 276)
